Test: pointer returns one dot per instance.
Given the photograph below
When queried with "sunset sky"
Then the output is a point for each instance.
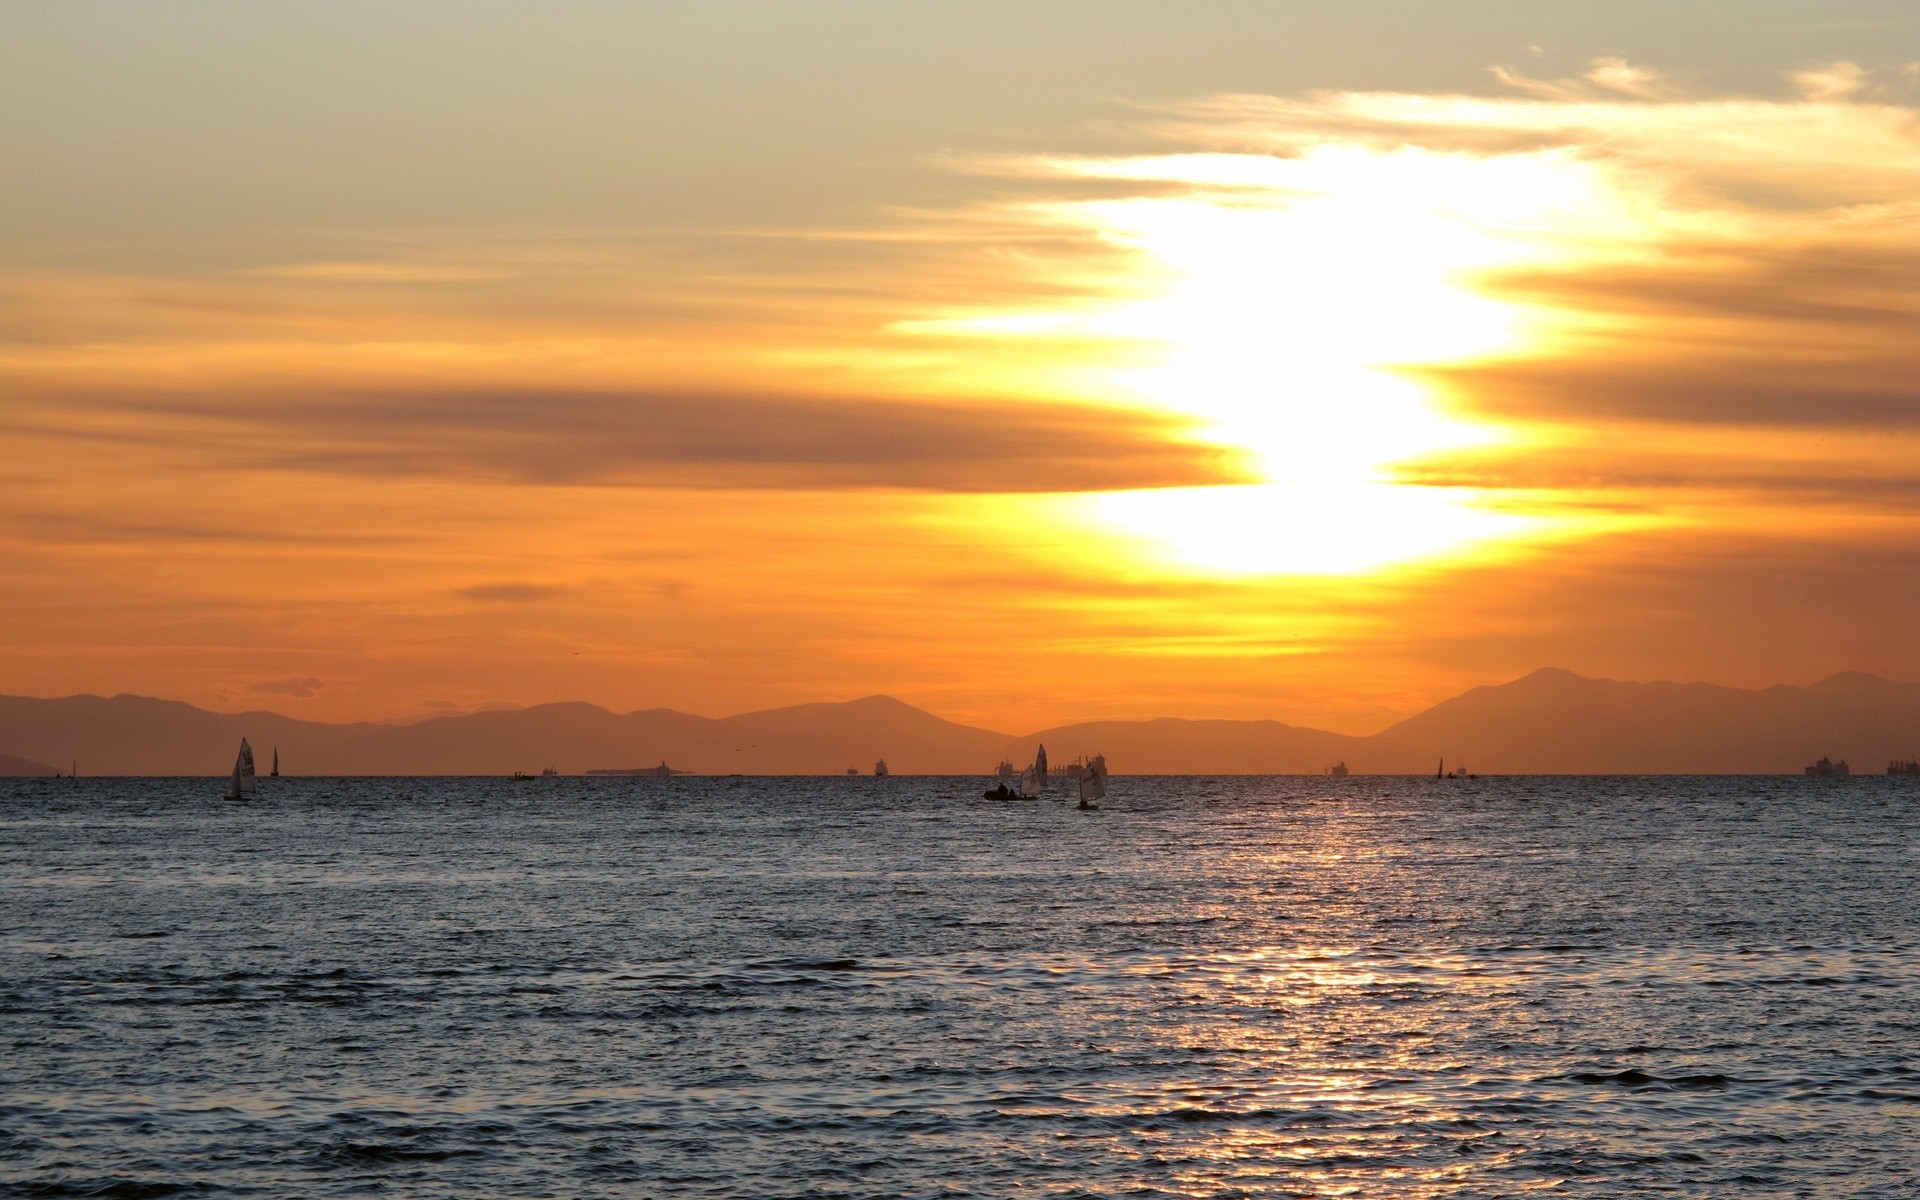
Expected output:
(1028, 362)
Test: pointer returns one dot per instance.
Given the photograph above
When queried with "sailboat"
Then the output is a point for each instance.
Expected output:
(1033, 782)
(1093, 782)
(276, 762)
(241, 785)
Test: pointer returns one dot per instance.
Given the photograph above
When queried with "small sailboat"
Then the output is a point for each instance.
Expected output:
(880, 768)
(276, 762)
(1093, 782)
(242, 785)
(1033, 781)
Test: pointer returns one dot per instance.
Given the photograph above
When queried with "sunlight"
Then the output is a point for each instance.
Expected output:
(1298, 290)
(1320, 527)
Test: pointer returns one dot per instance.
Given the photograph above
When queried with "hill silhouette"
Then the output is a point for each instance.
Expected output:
(137, 735)
(13, 766)
(1175, 746)
(1550, 722)
(1554, 721)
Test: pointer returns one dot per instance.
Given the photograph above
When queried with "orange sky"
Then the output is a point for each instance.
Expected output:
(1314, 402)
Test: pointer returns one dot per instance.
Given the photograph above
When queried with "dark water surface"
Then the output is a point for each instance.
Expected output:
(763, 988)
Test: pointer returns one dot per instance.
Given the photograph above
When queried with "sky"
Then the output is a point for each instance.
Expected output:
(1028, 362)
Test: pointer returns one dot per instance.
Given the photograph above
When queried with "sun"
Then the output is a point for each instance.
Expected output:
(1291, 299)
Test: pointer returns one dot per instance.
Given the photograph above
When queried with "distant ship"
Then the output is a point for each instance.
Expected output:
(880, 768)
(663, 771)
(1338, 770)
(1829, 770)
(242, 784)
(1005, 770)
(1909, 767)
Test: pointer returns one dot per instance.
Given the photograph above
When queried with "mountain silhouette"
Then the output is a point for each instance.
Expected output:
(137, 735)
(1175, 746)
(13, 766)
(1550, 722)
(1556, 722)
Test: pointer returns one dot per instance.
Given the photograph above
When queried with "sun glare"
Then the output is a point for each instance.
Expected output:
(1297, 292)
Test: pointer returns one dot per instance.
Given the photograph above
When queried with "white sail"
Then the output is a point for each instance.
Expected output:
(240, 784)
(1040, 762)
(243, 769)
(1093, 780)
(1031, 782)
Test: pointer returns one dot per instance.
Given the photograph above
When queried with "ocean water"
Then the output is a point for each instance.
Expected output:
(892, 988)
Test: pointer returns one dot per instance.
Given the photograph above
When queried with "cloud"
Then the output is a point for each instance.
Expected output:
(1834, 81)
(669, 439)
(287, 687)
(510, 593)
(1708, 306)
(1618, 75)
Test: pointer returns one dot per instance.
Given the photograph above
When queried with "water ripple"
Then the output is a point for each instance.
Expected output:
(767, 988)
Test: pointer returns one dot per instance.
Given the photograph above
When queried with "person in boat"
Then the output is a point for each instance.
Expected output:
(1003, 792)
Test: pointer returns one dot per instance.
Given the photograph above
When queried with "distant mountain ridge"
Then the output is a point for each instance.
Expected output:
(1556, 722)
(1549, 722)
(13, 766)
(137, 735)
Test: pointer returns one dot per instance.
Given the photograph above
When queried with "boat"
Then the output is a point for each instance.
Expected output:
(853, 770)
(242, 785)
(663, 771)
(1826, 769)
(549, 773)
(1033, 781)
(276, 762)
(1093, 782)
(1909, 767)
(1338, 770)
(880, 768)
(1005, 771)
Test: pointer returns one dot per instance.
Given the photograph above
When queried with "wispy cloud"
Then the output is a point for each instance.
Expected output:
(662, 439)
(511, 593)
(1676, 261)
(302, 687)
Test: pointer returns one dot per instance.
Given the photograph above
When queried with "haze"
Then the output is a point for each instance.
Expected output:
(1031, 364)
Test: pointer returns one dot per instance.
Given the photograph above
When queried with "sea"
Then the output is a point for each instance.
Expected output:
(807, 987)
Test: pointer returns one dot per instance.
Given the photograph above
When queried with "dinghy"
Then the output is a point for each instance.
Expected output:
(1093, 782)
(241, 786)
